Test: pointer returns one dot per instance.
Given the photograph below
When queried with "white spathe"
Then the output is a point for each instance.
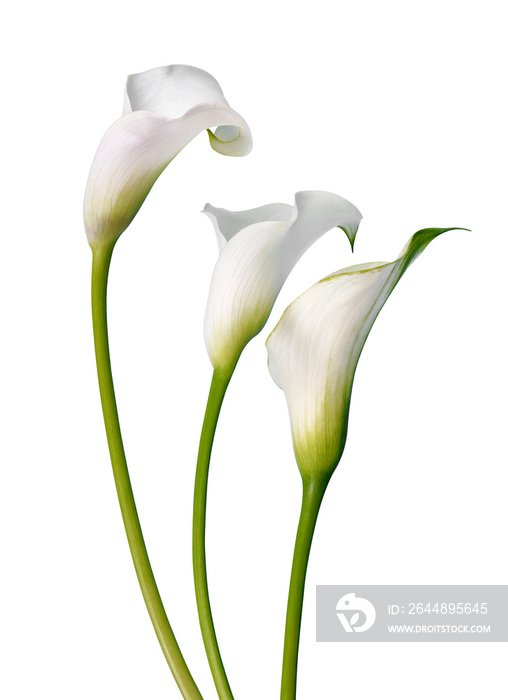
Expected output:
(164, 109)
(314, 350)
(258, 248)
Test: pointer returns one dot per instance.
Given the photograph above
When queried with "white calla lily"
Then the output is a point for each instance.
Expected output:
(258, 249)
(164, 109)
(314, 350)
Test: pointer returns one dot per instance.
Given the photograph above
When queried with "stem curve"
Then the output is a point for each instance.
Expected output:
(169, 645)
(313, 492)
(218, 387)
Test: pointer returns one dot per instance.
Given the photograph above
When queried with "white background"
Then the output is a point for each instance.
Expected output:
(398, 106)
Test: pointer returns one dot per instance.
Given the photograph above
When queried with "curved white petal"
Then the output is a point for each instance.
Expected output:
(314, 350)
(164, 109)
(190, 86)
(244, 286)
(228, 223)
(255, 260)
(314, 213)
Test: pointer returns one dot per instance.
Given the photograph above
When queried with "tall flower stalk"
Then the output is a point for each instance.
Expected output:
(218, 388)
(155, 607)
(164, 109)
(312, 355)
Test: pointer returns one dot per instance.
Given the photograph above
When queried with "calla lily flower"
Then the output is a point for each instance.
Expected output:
(312, 355)
(314, 350)
(164, 109)
(258, 249)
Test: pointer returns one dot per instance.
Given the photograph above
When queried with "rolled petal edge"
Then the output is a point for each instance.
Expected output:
(165, 108)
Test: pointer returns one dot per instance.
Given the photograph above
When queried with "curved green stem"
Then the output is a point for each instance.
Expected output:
(100, 269)
(218, 388)
(313, 492)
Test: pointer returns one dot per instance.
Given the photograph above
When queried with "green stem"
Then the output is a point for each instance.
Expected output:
(313, 492)
(100, 269)
(218, 388)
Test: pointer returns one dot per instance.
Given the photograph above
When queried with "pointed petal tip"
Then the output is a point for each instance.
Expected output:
(421, 239)
(442, 230)
(210, 212)
(351, 232)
